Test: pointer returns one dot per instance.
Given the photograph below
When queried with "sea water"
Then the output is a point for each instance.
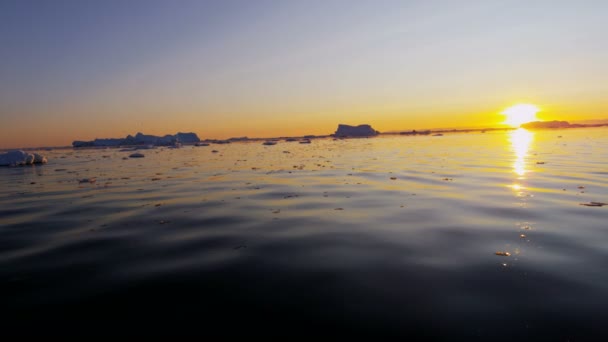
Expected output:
(479, 235)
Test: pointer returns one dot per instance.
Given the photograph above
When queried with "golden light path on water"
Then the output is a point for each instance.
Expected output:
(520, 140)
(520, 143)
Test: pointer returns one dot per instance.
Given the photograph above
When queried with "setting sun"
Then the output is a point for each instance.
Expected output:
(520, 114)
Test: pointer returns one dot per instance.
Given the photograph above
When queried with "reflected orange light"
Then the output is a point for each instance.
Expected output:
(520, 143)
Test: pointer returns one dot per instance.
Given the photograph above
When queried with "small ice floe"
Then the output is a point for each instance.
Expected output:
(594, 204)
(137, 155)
(305, 141)
(20, 158)
(175, 145)
(39, 159)
(145, 147)
(87, 180)
(503, 253)
(269, 143)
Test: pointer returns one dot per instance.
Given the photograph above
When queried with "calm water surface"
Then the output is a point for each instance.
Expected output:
(394, 235)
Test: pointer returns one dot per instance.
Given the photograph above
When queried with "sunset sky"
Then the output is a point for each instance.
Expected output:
(85, 69)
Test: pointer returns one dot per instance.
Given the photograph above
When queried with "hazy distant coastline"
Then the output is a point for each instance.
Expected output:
(555, 124)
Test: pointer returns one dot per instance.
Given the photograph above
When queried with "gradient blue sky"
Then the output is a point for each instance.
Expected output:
(85, 69)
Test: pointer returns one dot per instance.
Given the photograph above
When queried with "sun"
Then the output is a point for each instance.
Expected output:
(519, 114)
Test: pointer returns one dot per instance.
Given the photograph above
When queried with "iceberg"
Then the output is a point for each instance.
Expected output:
(187, 138)
(355, 131)
(20, 158)
(141, 139)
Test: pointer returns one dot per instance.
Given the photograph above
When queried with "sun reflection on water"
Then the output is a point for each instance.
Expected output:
(520, 143)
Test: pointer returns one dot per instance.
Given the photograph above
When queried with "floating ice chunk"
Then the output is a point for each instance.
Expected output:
(145, 147)
(19, 158)
(594, 204)
(39, 159)
(13, 158)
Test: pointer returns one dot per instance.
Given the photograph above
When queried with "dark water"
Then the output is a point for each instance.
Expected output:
(319, 241)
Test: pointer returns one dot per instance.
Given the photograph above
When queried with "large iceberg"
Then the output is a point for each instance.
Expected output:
(355, 131)
(20, 158)
(141, 139)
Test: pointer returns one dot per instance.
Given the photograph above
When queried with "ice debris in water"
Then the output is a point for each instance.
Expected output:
(20, 158)
(594, 204)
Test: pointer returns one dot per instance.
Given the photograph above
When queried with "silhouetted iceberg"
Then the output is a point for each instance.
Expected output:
(141, 139)
(187, 138)
(355, 131)
(238, 139)
(166, 140)
(20, 158)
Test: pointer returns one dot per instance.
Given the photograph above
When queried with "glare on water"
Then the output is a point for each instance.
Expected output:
(520, 140)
